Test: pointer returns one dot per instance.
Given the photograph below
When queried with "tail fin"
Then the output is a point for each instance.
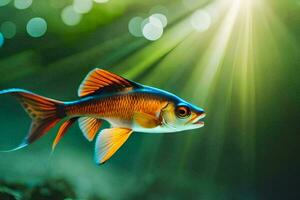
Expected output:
(44, 112)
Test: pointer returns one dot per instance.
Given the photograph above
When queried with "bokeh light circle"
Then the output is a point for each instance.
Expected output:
(8, 29)
(83, 6)
(155, 21)
(70, 17)
(201, 20)
(4, 2)
(1, 39)
(152, 32)
(22, 4)
(134, 26)
(101, 1)
(36, 27)
(159, 18)
(144, 22)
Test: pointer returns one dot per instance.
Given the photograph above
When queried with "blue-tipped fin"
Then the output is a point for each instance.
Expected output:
(20, 146)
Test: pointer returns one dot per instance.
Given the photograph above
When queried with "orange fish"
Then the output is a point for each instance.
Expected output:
(126, 105)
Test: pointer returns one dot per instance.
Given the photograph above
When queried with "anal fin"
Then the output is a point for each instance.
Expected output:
(109, 141)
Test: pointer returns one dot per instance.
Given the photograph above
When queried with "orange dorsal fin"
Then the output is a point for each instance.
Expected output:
(89, 126)
(100, 80)
(109, 141)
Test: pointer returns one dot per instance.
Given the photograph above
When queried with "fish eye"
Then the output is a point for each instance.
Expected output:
(183, 111)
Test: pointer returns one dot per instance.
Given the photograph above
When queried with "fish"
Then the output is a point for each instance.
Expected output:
(104, 96)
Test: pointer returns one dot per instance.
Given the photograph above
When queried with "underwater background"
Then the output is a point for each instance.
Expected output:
(237, 59)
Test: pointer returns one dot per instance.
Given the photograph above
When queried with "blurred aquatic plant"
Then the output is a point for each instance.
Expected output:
(56, 189)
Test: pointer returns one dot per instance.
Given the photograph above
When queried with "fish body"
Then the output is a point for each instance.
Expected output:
(119, 108)
(104, 96)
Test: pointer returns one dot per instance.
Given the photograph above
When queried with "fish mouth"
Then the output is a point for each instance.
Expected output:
(199, 119)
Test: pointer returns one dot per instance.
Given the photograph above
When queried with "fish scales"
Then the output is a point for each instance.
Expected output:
(117, 106)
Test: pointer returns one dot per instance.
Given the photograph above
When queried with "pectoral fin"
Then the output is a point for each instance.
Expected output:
(89, 126)
(109, 141)
(146, 120)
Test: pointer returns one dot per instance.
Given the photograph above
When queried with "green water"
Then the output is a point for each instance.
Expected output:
(243, 70)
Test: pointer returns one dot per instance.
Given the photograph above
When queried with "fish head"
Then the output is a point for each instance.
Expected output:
(180, 115)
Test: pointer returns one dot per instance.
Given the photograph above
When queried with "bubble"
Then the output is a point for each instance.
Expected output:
(83, 6)
(70, 17)
(8, 29)
(135, 27)
(4, 2)
(158, 18)
(152, 32)
(1, 39)
(201, 20)
(36, 27)
(101, 1)
(22, 4)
